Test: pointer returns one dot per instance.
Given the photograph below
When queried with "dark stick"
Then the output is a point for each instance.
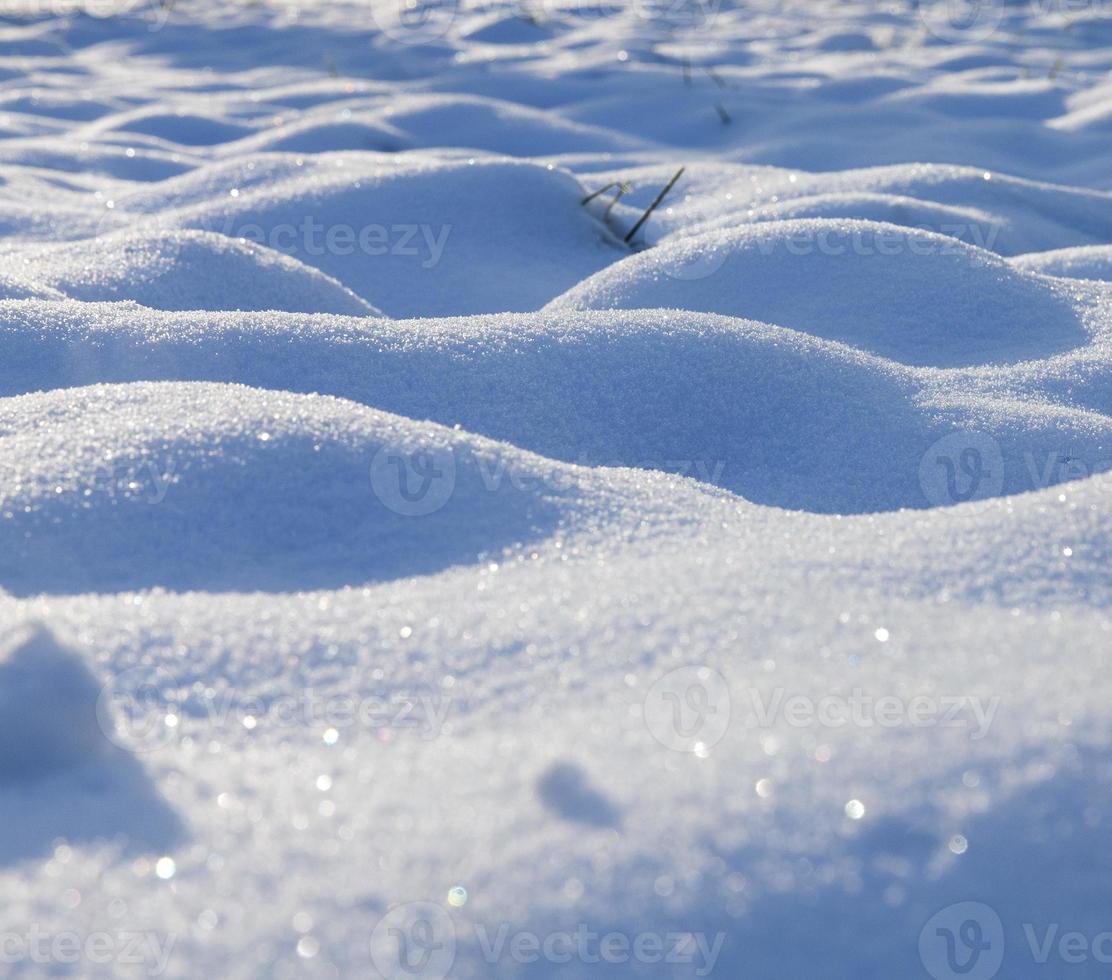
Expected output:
(652, 207)
(601, 190)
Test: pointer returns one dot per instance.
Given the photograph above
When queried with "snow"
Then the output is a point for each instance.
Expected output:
(49, 709)
(1083, 262)
(912, 296)
(402, 575)
(269, 491)
(182, 270)
(436, 238)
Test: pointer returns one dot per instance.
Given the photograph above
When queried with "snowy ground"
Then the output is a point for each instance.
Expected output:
(400, 575)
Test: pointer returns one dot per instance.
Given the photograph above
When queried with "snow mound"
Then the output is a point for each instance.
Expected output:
(771, 414)
(314, 134)
(912, 296)
(970, 98)
(497, 126)
(185, 270)
(1005, 214)
(1082, 262)
(957, 221)
(180, 127)
(48, 708)
(999, 211)
(418, 237)
(204, 486)
(512, 29)
(21, 287)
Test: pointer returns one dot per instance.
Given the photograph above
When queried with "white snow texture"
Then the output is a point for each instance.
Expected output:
(405, 575)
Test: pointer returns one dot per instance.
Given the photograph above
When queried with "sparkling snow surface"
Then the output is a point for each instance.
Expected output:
(402, 576)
